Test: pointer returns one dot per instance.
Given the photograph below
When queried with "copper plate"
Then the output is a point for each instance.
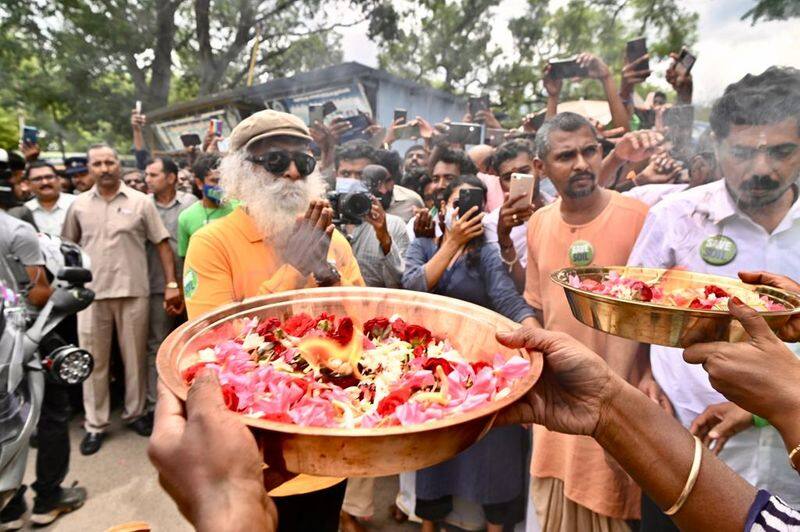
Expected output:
(662, 324)
(359, 452)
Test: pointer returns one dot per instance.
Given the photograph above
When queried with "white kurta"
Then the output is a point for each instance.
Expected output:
(672, 234)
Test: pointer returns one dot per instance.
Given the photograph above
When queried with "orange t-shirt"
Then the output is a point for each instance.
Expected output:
(591, 478)
(229, 261)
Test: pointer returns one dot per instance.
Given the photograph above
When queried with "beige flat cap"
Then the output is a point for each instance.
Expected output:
(265, 124)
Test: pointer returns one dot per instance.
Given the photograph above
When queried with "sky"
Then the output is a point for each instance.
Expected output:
(727, 47)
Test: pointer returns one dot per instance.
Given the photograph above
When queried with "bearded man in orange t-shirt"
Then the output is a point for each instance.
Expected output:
(575, 485)
(279, 238)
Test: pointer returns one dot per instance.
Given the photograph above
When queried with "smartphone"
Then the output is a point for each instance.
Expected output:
(495, 137)
(218, 127)
(408, 131)
(190, 139)
(567, 68)
(468, 198)
(315, 114)
(30, 135)
(400, 114)
(328, 108)
(358, 123)
(685, 62)
(138, 107)
(635, 49)
(466, 134)
(538, 120)
(525, 184)
(477, 103)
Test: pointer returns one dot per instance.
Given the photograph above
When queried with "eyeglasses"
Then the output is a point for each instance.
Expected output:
(39, 179)
(277, 161)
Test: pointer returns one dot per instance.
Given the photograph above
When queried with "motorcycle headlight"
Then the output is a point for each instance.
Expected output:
(69, 364)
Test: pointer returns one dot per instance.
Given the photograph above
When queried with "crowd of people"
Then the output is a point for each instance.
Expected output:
(609, 450)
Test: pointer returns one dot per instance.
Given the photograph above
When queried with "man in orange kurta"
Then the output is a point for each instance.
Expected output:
(575, 485)
(267, 245)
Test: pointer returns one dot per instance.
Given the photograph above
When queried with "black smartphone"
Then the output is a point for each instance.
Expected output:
(477, 103)
(400, 114)
(538, 120)
(314, 114)
(468, 198)
(358, 123)
(567, 68)
(635, 49)
(495, 137)
(408, 131)
(685, 61)
(30, 135)
(466, 134)
(328, 108)
(191, 139)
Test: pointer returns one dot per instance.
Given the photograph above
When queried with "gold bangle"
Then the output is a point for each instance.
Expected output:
(791, 457)
(693, 474)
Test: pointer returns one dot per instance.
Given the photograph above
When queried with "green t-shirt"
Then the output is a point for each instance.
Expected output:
(195, 217)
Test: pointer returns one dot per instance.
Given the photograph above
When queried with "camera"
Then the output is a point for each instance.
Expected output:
(351, 201)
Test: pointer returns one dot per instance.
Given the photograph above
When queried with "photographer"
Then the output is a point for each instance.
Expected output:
(396, 199)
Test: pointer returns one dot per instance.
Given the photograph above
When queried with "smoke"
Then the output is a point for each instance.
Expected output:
(272, 202)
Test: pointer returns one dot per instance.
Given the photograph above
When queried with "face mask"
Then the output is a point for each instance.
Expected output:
(213, 193)
(348, 185)
(449, 217)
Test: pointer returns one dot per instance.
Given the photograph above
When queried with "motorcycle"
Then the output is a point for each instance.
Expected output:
(30, 352)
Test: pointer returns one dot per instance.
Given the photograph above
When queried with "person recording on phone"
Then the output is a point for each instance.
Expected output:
(507, 225)
(590, 66)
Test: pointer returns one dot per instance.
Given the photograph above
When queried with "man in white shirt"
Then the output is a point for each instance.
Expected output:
(749, 220)
(50, 206)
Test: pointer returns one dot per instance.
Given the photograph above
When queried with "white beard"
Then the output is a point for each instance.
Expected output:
(273, 203)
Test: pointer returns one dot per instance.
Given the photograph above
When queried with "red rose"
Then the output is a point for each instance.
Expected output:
(699, 305)
(419, 351)
(325, 321)
(479, 365)
(399, 329)
(376, 328)
(343, 332)
(230, 398)
(416, 335)
(191, 372)
(716, 290)
(389, 404)
(268, 326)
(432, 363)
(299, 324)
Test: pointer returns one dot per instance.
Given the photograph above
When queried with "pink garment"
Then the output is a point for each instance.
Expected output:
(494, 192)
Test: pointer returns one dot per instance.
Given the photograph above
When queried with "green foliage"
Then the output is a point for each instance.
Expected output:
(448, 44)
(75, 67)
(773, 10)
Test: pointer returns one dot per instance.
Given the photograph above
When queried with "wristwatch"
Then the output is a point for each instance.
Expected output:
(327, 274)
(172, 284)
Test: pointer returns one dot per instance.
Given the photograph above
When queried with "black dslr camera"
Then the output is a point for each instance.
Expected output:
(350, 206)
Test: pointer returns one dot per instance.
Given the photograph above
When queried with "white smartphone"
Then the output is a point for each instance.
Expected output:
(138, 107)
(525, 184)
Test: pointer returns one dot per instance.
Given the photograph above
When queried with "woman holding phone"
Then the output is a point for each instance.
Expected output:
(461, 265)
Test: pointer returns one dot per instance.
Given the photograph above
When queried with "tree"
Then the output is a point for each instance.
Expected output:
(449, 45)
(772, 10)
(94, 58)
(443, 43)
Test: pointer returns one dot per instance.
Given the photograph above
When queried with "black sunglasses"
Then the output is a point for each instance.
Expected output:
(277, 161)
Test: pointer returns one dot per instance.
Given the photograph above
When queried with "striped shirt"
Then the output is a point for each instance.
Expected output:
(770, 514)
